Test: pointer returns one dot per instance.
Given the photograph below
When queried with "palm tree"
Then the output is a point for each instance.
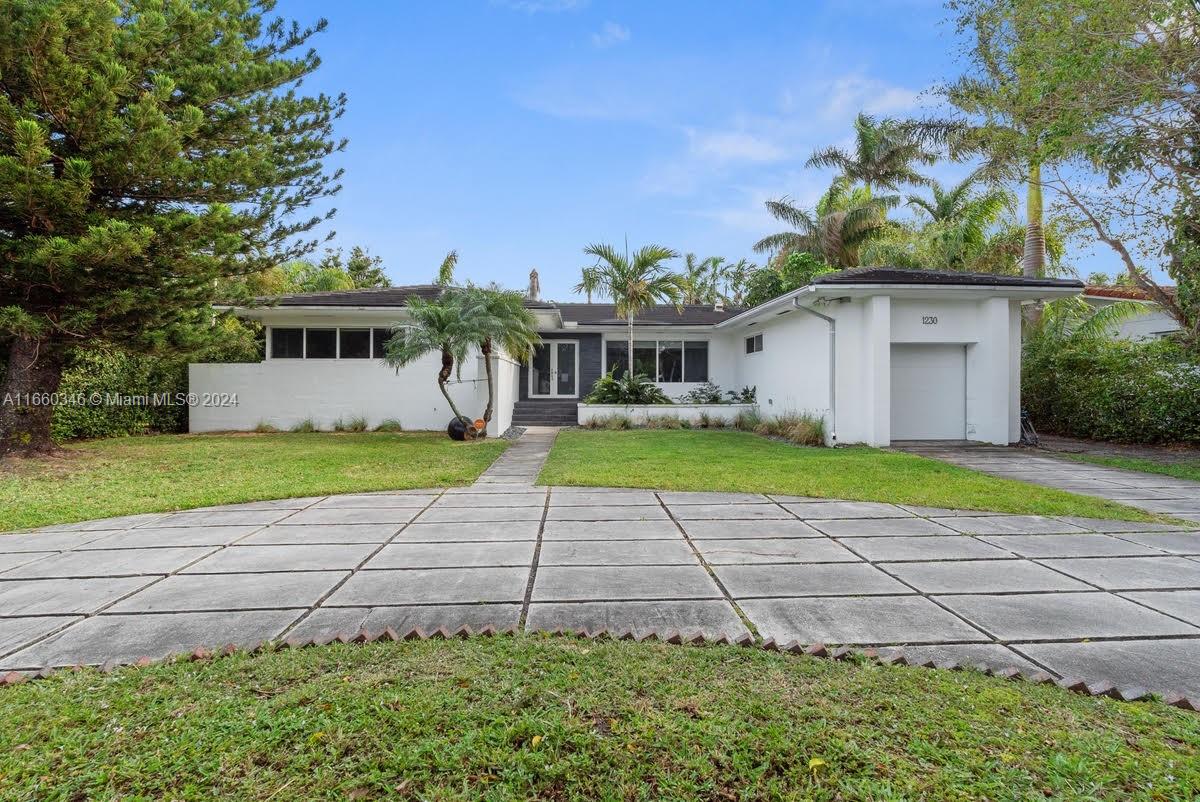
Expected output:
(494, 316)
(963, 217)
(632, 284)
(445, 276)
(735, 277)
(844, 219)
(884, 154)
(436, 326)
(702, 279)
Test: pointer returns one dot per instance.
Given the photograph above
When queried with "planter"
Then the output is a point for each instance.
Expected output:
(640, 413)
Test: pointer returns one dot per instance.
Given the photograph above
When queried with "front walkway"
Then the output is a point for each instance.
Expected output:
(1100, 600)
(1155, 493)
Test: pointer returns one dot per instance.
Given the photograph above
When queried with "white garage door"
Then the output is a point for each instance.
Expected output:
(929, 391)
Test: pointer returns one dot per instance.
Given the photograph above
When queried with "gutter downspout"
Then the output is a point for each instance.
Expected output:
(832, 366)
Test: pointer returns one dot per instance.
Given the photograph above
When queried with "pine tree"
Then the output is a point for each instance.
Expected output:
(149, 149)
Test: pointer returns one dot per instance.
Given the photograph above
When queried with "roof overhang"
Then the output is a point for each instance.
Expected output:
(818, 293)
(547, 318)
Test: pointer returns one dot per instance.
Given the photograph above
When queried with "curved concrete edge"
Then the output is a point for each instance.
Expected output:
(881, 656)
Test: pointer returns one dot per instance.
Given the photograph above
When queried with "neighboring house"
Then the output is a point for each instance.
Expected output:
(882, 354)
(1152, 325)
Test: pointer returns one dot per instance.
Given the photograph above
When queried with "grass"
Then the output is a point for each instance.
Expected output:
(739, 461)
(559, 718)
(1189, 469)
(102, 478)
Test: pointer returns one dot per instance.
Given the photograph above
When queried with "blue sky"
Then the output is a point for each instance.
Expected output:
(519, 131)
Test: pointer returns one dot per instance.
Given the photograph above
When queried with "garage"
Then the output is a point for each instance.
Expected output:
(929, 391)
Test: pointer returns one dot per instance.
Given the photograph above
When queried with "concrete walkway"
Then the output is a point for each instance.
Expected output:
(1094, 599)
(1155, 493)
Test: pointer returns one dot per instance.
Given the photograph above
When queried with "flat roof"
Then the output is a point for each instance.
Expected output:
(897, 275)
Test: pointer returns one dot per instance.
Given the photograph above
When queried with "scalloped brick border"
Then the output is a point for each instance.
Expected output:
(892, 656)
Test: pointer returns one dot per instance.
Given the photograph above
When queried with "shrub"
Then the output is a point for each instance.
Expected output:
(707, 393)
(665, 422)
(305, 426)
(800, 428)
(746, 395)
(747, 420)
(613, 422)
(389, 425)
(629, 389)
(262, 427)
(707, 421)
(1113, 390)
(356, 424)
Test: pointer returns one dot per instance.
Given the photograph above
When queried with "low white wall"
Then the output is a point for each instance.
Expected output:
(507, 375)
(641, 413)
(284, 392)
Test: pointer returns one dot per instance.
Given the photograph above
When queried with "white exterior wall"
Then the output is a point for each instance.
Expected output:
(791, 373)
(506, 374)
(792, 370)
(639, 414)
(284, 392)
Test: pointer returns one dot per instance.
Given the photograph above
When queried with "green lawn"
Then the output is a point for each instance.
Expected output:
(102, 478)
(739, 461)
(1189, 469)
(560, 718)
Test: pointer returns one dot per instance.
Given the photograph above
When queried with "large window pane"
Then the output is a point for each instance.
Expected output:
(643, 358)
(379, 337)
(287, 343)
(355, 343)
(320, 343)
(670, 361)
(616, 356)
(695, 361)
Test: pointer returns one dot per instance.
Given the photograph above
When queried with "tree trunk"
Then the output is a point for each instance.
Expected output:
(629, 369)
(34, 372)
(485, 348)
(443, 377)
(1033, 261)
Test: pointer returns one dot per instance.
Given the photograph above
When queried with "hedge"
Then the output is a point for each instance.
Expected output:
(1113, 390)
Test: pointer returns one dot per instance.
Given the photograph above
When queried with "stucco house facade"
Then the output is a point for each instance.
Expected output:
(881, 354)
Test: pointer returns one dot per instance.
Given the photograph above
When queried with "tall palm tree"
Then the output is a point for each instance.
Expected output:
(883, 157)
(963, 214)
(844, 218)
(435, 326)
(735, 276)
(702, 279)
(632, 283)
(445, 276)
(495, 316)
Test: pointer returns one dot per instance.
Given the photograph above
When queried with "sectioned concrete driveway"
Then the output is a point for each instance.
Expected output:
(1100, 600)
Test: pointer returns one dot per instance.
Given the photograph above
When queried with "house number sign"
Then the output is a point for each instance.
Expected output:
(929, 320)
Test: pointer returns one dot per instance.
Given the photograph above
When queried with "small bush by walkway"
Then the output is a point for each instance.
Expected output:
(524, 717)
(104, 478)
(738, 461)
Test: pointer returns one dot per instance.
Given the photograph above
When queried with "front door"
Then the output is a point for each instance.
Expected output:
(554, 370)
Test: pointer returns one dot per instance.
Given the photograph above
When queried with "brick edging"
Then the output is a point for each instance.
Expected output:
(893, 656)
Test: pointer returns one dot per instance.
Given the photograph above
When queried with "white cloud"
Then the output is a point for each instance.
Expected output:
(610, 35)
(733, 146)
(542, 6)
(850, 94)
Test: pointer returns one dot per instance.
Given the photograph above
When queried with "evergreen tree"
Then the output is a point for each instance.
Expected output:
(150, 150)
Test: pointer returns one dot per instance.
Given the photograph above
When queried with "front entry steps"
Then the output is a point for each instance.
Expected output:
(546, 412)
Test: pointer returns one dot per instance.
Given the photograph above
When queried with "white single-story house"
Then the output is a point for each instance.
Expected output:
(881, 354)
(1153, 324)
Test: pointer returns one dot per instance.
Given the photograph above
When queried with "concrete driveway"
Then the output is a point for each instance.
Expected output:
(1155, 493)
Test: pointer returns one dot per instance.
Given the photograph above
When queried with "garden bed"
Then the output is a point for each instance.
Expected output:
(640, 414)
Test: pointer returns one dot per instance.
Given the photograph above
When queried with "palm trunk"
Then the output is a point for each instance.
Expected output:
(1033, 261)
(443, 377)
(34, 373)
(629, 370)
(485, 348)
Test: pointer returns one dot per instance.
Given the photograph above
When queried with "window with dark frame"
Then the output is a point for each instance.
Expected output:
(320, 343)
(616, 357)
(695, 361)
(670, 361)
(754, 344)
(287, 343)
(354, 343)
(379, 338)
